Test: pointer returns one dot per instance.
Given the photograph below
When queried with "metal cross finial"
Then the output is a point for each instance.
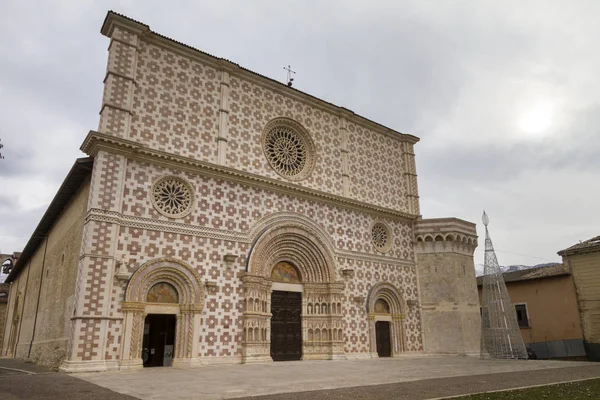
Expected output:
(289, 75)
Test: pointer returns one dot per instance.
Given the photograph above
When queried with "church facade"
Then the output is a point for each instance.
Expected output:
(225, 217)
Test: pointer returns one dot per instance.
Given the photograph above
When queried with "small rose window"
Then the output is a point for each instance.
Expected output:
(381, 237)
(173, 196)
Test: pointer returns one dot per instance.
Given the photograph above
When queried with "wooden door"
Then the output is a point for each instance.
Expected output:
(286, 326)
(382, 332)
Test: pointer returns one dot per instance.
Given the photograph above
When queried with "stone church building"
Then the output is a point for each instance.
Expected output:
(224, 217)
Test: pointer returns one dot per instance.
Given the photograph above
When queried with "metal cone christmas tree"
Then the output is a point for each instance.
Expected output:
(500, 334)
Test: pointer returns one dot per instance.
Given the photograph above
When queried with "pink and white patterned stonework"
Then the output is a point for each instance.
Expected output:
(169, 110)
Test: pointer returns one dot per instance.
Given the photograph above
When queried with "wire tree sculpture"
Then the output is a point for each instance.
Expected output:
(500, 334)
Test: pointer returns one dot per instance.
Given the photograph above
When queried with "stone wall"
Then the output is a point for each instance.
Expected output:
(585, 267)
(124, 224)
(40, 331)
(4, 290)
(448, 288)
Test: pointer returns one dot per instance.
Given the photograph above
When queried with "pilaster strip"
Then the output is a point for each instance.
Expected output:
(223, 119)
(345, 168)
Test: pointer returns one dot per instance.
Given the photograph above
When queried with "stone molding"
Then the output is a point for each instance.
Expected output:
(96, 141)
(445, 235)
(297, 243)
(291, 219)
(114, 20)
(99, 215)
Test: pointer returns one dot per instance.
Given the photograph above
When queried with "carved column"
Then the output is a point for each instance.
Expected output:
(322, 321)
(133, 331)
(397, 335)
(256, 343)
(372, 336)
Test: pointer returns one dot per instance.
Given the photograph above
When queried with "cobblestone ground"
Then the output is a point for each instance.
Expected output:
(402, 378)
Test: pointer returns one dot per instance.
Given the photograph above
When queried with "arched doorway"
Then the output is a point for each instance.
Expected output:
(158, 342)
(386, 313)
(162, 310)
(286, 312)
(291, 274)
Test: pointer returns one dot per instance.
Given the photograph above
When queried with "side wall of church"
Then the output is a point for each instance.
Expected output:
(39, 324)
(4, 290)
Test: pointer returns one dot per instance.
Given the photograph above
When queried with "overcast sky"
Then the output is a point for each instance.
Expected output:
(505, 97)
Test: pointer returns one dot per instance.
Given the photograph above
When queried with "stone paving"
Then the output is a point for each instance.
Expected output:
(20, 380)
(231, 381)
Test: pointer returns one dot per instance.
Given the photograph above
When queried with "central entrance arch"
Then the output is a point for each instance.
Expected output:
(291, 262)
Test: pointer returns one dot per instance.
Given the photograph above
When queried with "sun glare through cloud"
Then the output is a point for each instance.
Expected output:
(537, 119)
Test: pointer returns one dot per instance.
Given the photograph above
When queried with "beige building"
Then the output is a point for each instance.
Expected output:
(224, 217)
(583, 259)
(546, 309)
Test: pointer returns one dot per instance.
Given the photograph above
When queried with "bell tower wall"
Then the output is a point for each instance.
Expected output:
(449, 302)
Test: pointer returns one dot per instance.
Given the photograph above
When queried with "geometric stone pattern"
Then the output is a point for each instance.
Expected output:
(175, 109)
(221, 332)
(192, 107)
(376, 169)
(366, 275)
(176, 103)
(233, 207)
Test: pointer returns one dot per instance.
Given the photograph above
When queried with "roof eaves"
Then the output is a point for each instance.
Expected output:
(587, 246)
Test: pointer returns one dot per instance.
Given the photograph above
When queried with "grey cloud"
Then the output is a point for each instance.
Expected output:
(450, 74)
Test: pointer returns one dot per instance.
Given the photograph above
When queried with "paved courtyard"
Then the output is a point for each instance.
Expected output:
(231, 381)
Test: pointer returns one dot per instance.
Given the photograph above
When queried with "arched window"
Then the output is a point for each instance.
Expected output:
(162, 292)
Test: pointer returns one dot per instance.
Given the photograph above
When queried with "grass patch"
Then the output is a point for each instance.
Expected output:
(565, 391)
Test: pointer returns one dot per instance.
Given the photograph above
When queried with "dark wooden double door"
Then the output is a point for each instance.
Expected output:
(286, 326)
(384, 344)
(158, 344)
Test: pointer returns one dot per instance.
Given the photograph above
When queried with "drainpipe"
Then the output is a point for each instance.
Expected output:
(37, 306)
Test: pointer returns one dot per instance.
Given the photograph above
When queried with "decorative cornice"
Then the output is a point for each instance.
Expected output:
(96, 141)
(99, 215)
(374, 258)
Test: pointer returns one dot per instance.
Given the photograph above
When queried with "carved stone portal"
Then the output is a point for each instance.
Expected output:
(293, 253)
(385, 303)
(163, 286)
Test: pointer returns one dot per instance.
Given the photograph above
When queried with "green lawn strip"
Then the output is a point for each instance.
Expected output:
(565, 391)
